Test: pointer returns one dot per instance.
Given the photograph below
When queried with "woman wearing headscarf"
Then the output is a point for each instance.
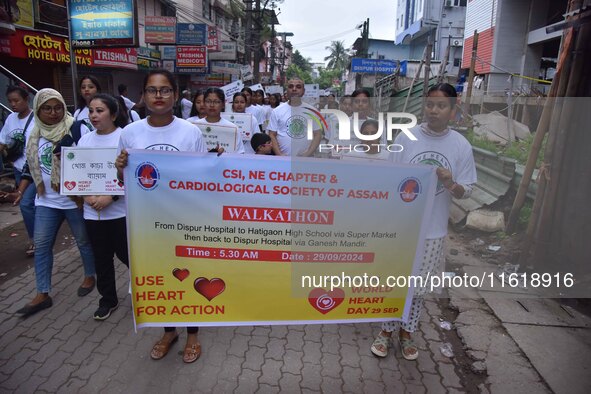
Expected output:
(52, 124)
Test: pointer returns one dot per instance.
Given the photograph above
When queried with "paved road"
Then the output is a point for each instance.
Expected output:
(64, 350)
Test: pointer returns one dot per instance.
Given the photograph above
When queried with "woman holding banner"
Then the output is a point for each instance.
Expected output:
(239, 107)
(163, 131)
(105, 215)
(215, 100)
(52, 130)
(451, 154)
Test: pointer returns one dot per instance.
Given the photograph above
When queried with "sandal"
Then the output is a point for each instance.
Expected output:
(162, 347)
(30, 252)
(192, 352)
(380, 345)
(407, 346)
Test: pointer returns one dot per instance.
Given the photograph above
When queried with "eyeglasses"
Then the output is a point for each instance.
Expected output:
(212, 102)
(164, 91)
(46, 109)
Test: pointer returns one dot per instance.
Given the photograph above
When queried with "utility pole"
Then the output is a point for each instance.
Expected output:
(472, 67)
(248, 38)
(257, 41)
(283, 36)
(428, 51)
(364, 50)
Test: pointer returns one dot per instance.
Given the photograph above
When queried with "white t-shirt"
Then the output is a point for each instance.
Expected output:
(226, 123)
(178, 136)
(291, 124)
(51, 198)
(82, 114)
(133, 116)
(13, 129)
(116, 209)
(193, 119)
(254, 128)
(452, 152)
(186, 107)
(254, 110)
(128, 103)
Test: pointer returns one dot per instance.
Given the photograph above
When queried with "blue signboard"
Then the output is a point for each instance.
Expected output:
(191, 34)
(373, 66)
(168, 52)
(103, 23)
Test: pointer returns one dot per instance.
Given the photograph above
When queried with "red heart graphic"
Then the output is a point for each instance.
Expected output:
(180, 274)
(209, 288)
(70, 185)
(325, 301)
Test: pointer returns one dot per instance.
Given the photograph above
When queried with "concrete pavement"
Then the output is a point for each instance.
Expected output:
(62, 349)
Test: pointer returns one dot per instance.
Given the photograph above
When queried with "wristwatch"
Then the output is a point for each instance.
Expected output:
(115, 198)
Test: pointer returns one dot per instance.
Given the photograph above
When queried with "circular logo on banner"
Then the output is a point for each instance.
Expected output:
(296, 127)
(147, 175)
(409, 189)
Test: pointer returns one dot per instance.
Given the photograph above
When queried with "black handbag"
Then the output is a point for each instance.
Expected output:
(15, 151)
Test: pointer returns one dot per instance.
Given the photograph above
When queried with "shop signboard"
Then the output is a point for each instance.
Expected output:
(103, 23)
(191, 34)
(160, 29)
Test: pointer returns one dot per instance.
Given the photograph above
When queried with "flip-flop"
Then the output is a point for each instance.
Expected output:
(380, 345)
(407, 344)
(161, 348)
(192, 352)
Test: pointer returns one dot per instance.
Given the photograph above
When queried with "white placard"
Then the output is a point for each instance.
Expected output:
(232, 88)
(246, 72)
(242, 121)
(89, 171)
(219, 136)
(256, 87)
(272, 89)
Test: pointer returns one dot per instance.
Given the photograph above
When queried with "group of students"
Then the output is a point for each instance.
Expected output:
(100, 228)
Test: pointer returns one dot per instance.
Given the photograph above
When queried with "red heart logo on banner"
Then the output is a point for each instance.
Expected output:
(209, 288)
(325, 301)
(180, 274)
(70, 185)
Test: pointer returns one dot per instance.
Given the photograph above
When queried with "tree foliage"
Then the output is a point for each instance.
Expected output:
(338, 57)
(327, 77)
(295, 71)
(299, 60)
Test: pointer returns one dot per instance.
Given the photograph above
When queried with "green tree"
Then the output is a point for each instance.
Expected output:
(295, 71)
(338, 57)
(327, 77)
(303, 63)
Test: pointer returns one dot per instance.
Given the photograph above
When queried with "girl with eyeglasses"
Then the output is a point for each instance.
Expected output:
(52, 124)
(215, 100)
(161, 130)
(89, 86)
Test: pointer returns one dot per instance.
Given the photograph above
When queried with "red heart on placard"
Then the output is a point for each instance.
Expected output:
(247, 134)
(70, 185)
(209, 288)
(325, 301)
(180, 274)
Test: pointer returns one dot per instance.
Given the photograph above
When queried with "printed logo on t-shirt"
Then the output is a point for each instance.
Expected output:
(297, 126)
(434, 159)
(45, 157)
(164, 147)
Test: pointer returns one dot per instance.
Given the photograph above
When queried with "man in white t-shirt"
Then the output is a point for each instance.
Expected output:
(186, 104)
(288, 126)
(123, 93)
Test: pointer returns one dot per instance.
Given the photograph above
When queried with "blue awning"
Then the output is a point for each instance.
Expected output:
(409, 32)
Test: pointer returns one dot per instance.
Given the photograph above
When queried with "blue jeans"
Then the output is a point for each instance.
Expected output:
(47, 224)
(27, 204)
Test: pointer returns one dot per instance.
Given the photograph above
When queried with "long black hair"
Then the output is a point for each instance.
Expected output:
(219, 93)
(121, 119)
(95, 82)
(447, 89)
(167, 74)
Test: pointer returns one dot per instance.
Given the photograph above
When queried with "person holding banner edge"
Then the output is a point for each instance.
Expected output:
(105, 215)
(52, 130)
(437, 145)
(162, 130)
